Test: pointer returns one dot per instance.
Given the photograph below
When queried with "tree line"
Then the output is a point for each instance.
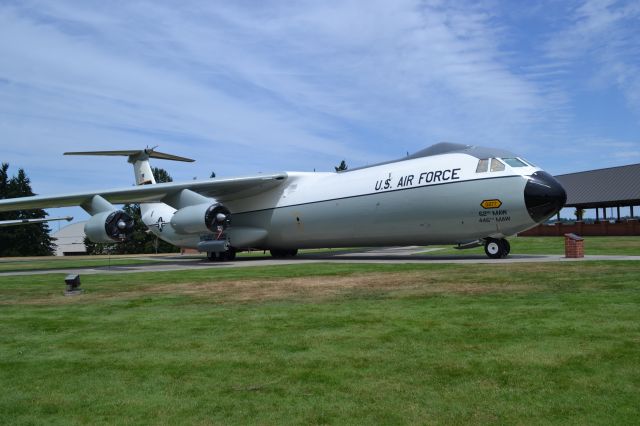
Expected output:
(25, 240)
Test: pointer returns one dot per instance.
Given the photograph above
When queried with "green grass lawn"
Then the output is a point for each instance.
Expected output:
(33, 264)
(555, 245)
(329, 343)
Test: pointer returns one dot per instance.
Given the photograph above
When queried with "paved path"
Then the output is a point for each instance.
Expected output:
(379, 255)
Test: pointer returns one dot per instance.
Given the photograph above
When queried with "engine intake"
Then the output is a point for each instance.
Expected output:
(109, 227)
(201, 218)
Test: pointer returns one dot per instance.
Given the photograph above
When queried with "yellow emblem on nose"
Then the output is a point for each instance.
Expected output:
(491, 204)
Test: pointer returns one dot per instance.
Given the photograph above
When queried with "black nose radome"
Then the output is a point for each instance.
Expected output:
(543, 196)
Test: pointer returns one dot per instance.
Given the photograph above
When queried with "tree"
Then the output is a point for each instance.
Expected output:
(213, 174)
(4, 180)
(27, 240)
(98, 248)
(579, 213)
(141, 241)
(342, 167)
(161, 175)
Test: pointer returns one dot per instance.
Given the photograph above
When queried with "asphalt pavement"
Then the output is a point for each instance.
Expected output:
(388, 255)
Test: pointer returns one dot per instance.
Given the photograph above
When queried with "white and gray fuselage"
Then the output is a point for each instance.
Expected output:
(433, 199)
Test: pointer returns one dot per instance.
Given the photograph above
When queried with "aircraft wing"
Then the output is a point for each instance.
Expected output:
(30, 221)
(220, 189)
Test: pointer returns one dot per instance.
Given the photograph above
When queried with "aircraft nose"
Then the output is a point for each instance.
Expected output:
(543, 196)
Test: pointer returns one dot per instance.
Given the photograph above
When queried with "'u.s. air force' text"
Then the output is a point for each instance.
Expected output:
(421, 179)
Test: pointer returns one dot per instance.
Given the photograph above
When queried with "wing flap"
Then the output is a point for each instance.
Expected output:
(221, 189)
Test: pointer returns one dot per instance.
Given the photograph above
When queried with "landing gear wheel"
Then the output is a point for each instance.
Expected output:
(229, 254)
(278, 254)
(496, 249)
(281, 254)
(222, 256)
(507, 247)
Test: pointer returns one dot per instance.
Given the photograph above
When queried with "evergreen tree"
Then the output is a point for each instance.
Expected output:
(161, 175)
(23, 240)
(4, 181)
(98, 248)
(342, 167)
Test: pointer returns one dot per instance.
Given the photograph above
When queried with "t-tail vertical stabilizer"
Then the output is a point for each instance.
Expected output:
(139, 159)
(141, 167)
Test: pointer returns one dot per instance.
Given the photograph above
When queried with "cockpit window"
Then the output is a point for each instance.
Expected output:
(496, 165)
(483, 166)
(527, 162)
(514, 162)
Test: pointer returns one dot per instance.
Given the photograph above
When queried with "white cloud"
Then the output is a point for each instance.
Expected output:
(603, 32)
(270, 85)
(612, 143)
(627, 155)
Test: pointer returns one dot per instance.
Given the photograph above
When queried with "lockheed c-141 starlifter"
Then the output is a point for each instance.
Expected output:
(446, 194)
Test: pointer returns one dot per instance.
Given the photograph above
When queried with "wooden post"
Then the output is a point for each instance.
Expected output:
(618, 209)
(597, 214)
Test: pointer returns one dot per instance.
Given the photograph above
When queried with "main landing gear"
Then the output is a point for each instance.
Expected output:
(281, 254)
(497, 248)
(222, 256)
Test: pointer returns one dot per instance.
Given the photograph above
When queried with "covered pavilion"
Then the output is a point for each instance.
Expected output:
(600, 189)
(603, 188)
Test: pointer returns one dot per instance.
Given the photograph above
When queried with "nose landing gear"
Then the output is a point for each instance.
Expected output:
(497, 248)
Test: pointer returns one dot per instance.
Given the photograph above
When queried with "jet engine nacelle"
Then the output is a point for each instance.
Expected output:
(201, 218)
(109, 227)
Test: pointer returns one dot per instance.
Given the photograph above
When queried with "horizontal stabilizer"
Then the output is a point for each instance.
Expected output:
(135, 155)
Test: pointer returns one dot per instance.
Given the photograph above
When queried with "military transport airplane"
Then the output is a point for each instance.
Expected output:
(446, 194)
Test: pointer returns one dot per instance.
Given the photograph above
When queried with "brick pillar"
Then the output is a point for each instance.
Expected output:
(573, 246)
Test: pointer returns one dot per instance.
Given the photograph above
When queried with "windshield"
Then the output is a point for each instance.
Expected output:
(514, 162)
(496, 165)
(483, 165)
(527, 162)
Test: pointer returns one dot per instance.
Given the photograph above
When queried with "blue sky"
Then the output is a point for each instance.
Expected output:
(253, 86)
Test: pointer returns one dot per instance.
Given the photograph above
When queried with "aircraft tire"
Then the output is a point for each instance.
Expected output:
(507, 247)
(212, 256)
(495, 249)
(281, 254)
(229, 254)
(278, 254)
